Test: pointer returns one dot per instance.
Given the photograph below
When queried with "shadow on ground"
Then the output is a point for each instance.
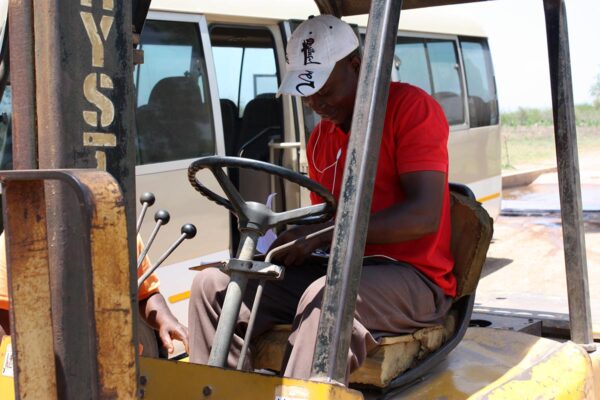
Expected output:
(494, 264)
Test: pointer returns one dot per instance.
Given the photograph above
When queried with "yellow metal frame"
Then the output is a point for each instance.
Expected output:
(29, 282)
(161, 379)
(7, 384)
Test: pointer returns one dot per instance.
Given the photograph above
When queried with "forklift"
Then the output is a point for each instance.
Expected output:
(69, 205)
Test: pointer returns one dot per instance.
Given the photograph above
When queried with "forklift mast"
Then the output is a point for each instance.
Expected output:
(73, 107)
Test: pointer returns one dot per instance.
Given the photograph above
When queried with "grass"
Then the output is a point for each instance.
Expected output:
(585, 115)
(520, 149)
(528, 136)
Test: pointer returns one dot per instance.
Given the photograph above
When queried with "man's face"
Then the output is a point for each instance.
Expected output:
(335, 100)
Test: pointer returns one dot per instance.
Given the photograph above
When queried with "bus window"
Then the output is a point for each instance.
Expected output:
(174, 112)
(483, 104)
(432, 65)
(245, 63)
(410, 63)
(445, 74)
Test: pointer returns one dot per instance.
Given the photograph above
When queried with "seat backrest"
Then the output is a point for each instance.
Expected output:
(231, 125)
(261, 113)
(480, 112)
(472, 230)
(176, 123)
(452, 104)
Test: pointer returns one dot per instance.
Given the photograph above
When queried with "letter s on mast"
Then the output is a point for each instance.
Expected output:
(94, 96)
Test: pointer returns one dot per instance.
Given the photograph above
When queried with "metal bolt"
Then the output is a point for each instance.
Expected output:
(142, 393)
(207, 391)
(143, 380)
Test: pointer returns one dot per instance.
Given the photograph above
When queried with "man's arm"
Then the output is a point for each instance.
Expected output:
(416, 216)
(157, 314)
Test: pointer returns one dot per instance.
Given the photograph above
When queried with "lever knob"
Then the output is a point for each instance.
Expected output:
(189, 230)
(148, 198)
(162, 215)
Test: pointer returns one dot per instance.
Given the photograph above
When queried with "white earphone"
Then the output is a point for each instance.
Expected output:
(334, 164)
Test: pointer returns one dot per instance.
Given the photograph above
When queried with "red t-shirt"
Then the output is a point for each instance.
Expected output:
(415, 138)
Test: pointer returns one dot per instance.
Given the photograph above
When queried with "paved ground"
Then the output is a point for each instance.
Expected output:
(525, 268)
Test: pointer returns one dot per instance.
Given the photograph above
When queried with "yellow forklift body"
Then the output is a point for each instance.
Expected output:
(488, 364)
(161, 379)
(7, 384)
(500, 364)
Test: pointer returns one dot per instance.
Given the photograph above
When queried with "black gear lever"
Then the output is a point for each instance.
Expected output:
(161, 217)
(147, 199)
(188, 231)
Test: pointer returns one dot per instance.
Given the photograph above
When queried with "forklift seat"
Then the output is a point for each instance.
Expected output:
(400, 360)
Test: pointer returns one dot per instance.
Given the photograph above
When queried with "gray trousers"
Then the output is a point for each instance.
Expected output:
(392, 299)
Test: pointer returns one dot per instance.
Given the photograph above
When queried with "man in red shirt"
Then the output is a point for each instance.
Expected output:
(406, 282)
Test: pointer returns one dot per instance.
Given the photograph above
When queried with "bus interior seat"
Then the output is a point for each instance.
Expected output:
(400, 360)
(480, 113)
(261, 122)
(453, 106)
(231, 125)
(175, 124)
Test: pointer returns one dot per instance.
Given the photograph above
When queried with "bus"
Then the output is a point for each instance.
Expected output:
(207, 86)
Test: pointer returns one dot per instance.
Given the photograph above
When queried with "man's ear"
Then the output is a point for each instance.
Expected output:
(355, 61)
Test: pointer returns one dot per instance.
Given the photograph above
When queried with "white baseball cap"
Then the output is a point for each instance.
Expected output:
(312, 51)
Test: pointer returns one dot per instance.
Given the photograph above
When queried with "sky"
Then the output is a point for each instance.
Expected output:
(517, 37)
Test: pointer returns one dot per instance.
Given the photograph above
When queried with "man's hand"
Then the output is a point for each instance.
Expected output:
(299, 252)
(157, 314)
(170, 330)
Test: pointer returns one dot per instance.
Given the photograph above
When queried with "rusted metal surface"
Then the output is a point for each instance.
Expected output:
(84, 109)
(20, 20)
(568, 172)
(113, 303)
(27, 245)
(352, 218)
(104, 275)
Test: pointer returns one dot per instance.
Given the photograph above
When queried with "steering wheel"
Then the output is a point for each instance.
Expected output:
(256, 214)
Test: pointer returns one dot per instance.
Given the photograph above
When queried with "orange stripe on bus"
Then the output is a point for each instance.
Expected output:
(179, 297)
(490, 197)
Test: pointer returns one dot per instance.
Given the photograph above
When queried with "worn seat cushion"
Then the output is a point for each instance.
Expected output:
(394, 355)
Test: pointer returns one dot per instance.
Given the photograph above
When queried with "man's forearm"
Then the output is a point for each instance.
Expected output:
(401, 223)
(155, 310)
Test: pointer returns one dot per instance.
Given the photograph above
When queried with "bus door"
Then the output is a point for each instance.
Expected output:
(484, 120)
(178, 119)
(249, 58)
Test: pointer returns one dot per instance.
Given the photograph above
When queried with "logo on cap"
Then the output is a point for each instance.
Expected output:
(307, 80)
(308, 51)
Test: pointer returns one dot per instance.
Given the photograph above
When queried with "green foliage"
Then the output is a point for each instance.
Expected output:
(528, 146)
(585, 114)
(595, 92)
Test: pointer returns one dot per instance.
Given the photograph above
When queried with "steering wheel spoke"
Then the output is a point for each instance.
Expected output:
(235, 198)
(309, 214)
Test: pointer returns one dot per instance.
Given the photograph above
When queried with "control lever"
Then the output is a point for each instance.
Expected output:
(188, 231)
(161, 217)
(259, 290)
(147, 200)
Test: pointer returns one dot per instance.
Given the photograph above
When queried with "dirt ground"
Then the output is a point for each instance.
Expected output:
(525, 267)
